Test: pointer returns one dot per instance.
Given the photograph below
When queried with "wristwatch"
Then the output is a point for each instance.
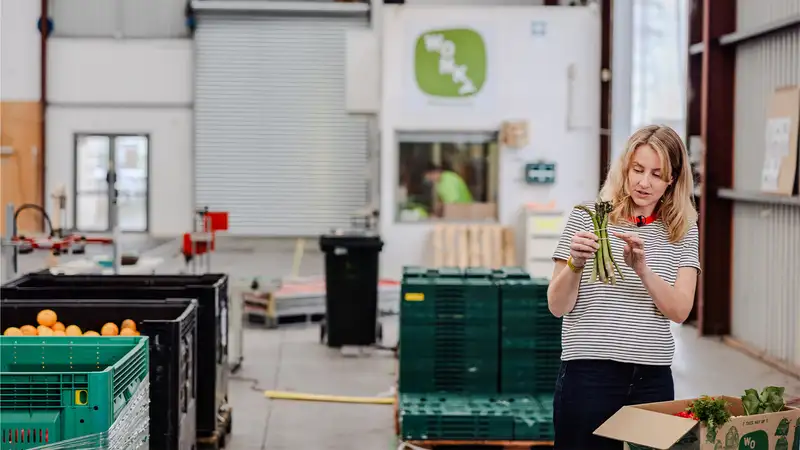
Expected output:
(573, 267)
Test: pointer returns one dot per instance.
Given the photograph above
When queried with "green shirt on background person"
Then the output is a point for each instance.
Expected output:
(451, 188)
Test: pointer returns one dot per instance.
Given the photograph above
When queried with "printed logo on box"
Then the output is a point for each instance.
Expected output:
(450, 63)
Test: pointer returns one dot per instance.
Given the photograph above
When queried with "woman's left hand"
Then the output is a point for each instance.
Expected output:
(633, 251)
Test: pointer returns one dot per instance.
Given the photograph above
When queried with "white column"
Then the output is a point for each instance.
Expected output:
(621, 75)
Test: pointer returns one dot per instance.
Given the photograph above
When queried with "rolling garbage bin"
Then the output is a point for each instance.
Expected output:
(351, 288)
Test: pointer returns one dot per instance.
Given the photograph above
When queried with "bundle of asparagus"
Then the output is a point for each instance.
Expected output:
(604, 265)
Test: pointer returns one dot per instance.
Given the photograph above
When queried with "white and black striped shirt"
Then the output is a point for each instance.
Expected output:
(620, 322)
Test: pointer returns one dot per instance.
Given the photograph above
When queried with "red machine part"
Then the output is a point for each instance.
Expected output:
(61, 243)
(212, 222)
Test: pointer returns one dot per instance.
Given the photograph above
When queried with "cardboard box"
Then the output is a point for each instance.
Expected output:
(653, 426)
(470, 211)
(780, 157)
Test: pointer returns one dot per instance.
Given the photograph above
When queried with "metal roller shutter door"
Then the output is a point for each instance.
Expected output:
(274, 145)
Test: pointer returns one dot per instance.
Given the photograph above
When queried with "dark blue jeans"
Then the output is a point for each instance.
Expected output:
(588, 392)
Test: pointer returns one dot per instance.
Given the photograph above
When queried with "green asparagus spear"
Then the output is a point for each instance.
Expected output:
(604, 266)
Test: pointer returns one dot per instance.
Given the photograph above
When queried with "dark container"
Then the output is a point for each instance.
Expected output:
(351, 287)
(211, 292)
(172, 328)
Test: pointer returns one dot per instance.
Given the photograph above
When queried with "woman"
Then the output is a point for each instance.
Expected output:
(616, 338)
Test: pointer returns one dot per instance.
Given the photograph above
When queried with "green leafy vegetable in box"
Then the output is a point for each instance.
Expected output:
(711, 412)
(768, 401)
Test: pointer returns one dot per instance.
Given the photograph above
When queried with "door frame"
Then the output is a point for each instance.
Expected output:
(112, 158)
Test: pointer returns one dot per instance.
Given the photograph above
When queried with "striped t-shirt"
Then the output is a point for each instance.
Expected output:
(620, 322)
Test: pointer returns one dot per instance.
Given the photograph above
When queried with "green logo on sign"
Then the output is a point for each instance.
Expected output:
(450, 63)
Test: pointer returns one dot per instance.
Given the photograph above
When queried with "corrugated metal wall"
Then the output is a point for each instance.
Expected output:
(274, 145)
(766, 263)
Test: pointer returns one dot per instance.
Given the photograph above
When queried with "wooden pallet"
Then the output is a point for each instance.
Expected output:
(504, 445)
(477, 245)
(218, 439)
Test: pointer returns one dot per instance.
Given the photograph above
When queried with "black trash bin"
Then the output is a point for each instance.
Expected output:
(351, 288)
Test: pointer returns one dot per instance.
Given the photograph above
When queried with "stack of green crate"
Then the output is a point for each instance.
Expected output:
(530, 351)
(449, 332)
(66, 393)
(479, 355)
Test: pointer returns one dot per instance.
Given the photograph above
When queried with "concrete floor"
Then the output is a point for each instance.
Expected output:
(292, 359)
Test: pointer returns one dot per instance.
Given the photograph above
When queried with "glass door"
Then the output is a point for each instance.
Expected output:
(130, 160)
(95, 156)
(92, 196)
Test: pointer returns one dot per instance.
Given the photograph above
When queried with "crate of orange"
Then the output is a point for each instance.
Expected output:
(214, 413)
(68, 392)
(171, 327)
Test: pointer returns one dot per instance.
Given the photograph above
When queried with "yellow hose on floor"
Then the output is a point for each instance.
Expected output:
(284, 395)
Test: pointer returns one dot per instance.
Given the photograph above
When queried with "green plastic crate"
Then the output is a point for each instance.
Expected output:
(416, 272)
(449, 272)
(448, 341)
(533, 418)
(512, 273)
(58, 388)
(455, 375)
(478, 272)
(426, 301)
(454, 417)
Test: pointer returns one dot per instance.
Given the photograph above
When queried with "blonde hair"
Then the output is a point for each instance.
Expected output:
(676, 207)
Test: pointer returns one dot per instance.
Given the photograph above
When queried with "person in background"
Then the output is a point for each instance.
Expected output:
(448, 186)
(617, 345)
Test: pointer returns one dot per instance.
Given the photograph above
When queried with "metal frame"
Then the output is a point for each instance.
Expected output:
(112, 155)
(278, 7)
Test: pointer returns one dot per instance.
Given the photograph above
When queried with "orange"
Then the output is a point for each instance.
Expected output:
(138, 334)
(28, 330)
(91, 333)
(128, 323)
(109, 329)
(47, 317)
(59, 333)
(58, 326)
(12, 331)
(44, 331)
(127, 332)
(73, 330)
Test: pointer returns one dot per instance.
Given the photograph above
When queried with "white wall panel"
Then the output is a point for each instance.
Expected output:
(120, 71)
(20, 65)
(119, 18)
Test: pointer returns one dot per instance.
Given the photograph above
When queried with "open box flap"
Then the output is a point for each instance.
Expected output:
(649, 428)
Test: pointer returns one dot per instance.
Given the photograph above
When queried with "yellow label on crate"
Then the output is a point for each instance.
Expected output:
(81, 397)
(415, 296)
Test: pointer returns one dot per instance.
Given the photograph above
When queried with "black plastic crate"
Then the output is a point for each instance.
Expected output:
(172, 328)
(211, 292)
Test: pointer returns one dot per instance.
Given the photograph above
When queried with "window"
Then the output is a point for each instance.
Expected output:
(451, 177)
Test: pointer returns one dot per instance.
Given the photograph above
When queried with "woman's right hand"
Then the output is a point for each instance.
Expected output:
(583, 247)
